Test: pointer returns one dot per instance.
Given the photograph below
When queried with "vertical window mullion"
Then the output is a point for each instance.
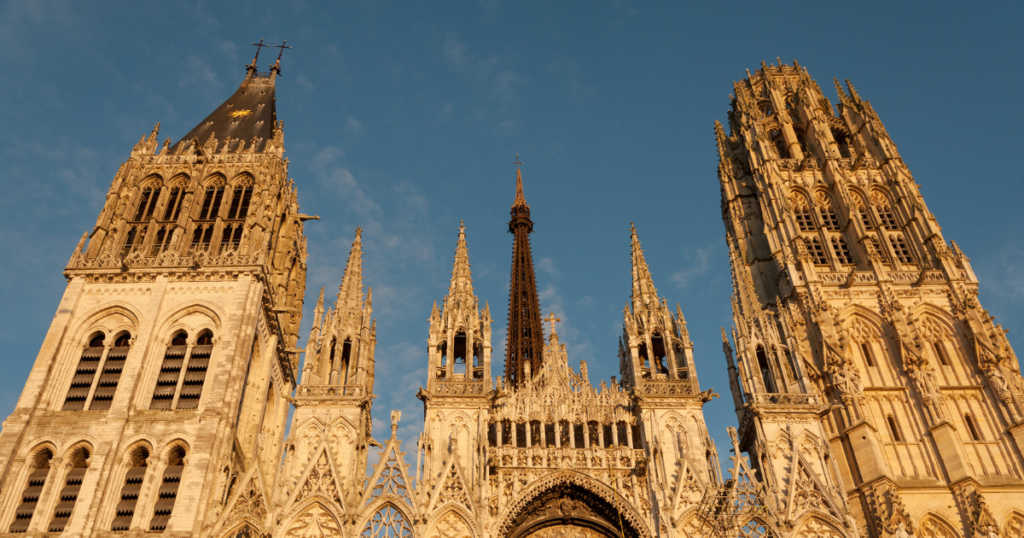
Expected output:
(181, 376)
(96, 377)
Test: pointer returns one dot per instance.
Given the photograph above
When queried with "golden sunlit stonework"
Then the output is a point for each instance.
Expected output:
(875, 397)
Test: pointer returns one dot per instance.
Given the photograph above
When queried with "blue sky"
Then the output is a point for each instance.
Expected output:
(405, 119)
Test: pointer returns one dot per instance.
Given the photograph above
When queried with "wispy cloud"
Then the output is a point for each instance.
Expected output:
(697, 261)
(353, 127)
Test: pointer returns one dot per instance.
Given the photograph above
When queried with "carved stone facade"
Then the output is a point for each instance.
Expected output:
(875, 397)
(874, 393)
(161, 387)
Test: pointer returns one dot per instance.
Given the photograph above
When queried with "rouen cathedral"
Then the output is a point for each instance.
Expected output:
(875, 397)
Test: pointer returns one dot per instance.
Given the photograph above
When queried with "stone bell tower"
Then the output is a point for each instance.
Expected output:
(166, 367)
(869, 381)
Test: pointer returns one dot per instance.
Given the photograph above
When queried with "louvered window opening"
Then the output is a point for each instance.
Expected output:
(166, 497)
(185, 370)
(109, 378)
(129, 498)
(89, 390)
(68, 498)
(29, 500)
(81, 384)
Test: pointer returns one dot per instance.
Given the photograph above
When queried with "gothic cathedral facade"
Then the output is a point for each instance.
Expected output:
(875, 397)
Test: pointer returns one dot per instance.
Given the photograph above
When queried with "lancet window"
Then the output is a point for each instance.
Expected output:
(40, 470)
(98, 373)
(865, 349)
(802, 212)
(174, 201)
(779, 141)
(147, 204)
(894, 429)
(842, 143)
(388, 522)
(136, 234)
(459, 355)
(940, 353)
(168, 489)
(883, 207)
(69, 492)
(826, 209)
(138, 460)
(864, 210)
(211, 203)
(765, 368)
(682, 369)
(658, 349)
(971, 428)
(183, 372)
(161, 241)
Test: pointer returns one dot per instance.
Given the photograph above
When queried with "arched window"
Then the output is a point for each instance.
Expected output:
(459, 356)
(168, 489)
(766, 371)
(863, 209)
(682, 368)
(801, 139)
(211, 203)
(817, 250)
(779, 142)
(865, 349)
(843, 143)
(147, 204)
(183, 372)
(841, 250)
(240, 203)
(940, 353)
(971, 427)
(30, 496)
(894, 431)
(89, 390)
(388, 522)
(69, 493)
(802, 212)
(161, 241)
(645, 361)
(112, 367)
(658, 349)
(442, 371)
(136, 234)
(346, 358)
(899, 246)
(829, 219)
(884, 208)
(138, 459)
(174, 200)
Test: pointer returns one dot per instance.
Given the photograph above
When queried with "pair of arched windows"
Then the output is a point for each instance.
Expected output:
(98, 373)
(182, 374)
(138, 464)
(41, 469)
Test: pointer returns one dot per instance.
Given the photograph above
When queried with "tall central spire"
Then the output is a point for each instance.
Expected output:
(525, 333)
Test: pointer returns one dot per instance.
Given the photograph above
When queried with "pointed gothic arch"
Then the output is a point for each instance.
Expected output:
(932, 525)
(559, 495)
(1014, 526)
(388, 519)
(313, 520)
(452, 522)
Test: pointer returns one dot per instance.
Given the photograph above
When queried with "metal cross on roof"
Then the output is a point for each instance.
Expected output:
(258, 46)
(282, 47)
(518, 162)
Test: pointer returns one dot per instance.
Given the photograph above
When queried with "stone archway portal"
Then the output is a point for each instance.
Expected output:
(567, 511)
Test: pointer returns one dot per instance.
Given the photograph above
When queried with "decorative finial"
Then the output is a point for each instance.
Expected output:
(396, 415)
(518, 162)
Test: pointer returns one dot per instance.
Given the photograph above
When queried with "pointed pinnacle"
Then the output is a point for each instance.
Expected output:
(520, 197)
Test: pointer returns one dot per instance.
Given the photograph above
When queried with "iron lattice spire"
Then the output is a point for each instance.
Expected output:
(525, 334)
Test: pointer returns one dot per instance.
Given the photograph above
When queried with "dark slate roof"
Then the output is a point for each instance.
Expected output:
(255, 95)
